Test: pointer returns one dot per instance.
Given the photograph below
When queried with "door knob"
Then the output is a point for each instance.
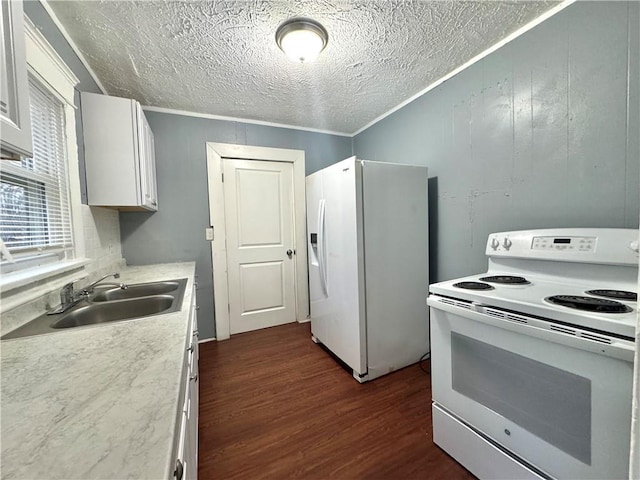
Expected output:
(290, 253)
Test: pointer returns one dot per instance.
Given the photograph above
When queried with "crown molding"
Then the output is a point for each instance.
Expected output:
(242, 120)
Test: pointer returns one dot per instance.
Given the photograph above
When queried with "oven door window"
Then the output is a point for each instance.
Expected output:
(551, 403)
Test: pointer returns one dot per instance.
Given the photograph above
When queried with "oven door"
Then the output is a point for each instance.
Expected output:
(560, 402)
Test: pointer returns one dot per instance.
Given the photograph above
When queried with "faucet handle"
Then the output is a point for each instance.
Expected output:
(66, 294)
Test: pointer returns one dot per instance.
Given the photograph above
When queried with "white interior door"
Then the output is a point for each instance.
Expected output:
(258, 198)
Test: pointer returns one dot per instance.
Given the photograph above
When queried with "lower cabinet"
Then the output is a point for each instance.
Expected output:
(186, 458)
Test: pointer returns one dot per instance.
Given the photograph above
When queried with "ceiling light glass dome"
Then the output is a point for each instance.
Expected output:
(301, 39)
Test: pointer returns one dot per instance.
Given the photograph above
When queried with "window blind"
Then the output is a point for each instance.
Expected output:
(34, 199)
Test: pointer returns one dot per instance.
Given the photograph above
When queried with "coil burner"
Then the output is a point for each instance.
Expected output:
(506, 280)
(473, 285)
(589, 304)
(615, 294)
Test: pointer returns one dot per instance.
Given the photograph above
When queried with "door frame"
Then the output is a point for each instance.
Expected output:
(216, 152)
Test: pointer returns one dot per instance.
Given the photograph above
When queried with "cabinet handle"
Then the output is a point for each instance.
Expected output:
(194, 378)
(195, 333)
(179, 471)
(190, 349)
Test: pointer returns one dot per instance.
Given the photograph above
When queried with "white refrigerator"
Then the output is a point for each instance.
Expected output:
(367, 232)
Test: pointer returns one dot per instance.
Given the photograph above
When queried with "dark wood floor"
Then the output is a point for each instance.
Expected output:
(275, 405)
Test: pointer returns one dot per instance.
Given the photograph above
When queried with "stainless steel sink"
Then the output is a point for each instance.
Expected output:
(114, 304)
(135, 291)
(113, 311)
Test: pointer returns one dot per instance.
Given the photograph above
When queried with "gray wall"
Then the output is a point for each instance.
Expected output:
(541, 133)
(41, 19)
(176, 231)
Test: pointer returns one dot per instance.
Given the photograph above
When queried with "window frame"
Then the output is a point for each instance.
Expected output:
(46, 66)
(15, 173)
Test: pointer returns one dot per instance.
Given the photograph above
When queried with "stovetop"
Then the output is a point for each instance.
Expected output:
(579, 276)
(534, 298)
(585, 277)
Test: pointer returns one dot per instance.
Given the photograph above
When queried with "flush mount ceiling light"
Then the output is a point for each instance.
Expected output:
(302, 39)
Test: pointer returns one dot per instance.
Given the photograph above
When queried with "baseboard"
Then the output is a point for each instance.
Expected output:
(207, 340)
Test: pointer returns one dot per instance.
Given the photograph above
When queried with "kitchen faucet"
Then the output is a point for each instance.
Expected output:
(89, 288)
(70, 297)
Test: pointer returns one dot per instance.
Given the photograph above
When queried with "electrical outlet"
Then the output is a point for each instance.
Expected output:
(208, 232)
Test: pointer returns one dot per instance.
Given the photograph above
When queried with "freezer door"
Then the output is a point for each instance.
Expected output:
(337, 313)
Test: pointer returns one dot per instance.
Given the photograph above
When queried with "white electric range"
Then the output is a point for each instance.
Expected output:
(532, 361)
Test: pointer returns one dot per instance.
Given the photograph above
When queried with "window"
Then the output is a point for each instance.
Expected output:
(35, 215)
(40, 197)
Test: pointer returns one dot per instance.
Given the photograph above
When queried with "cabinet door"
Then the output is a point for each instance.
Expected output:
(15, 120)
(194, 386)
(143, 147)
(191, 453)
(195, 308)
(110, 126)
(191, 412)
(187, 445)
(151, 167)
(180, 462)
(195, 370)
(147, 162)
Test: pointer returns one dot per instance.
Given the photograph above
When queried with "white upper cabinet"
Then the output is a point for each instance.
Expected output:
(14, 89)
(119, 153)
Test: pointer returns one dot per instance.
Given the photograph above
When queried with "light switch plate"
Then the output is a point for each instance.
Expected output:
(208, 232)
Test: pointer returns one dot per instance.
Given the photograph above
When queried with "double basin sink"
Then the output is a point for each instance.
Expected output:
(111, 304)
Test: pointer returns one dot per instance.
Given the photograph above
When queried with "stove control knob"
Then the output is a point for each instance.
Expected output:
(495, 243)
(507, 244)
(635, 246)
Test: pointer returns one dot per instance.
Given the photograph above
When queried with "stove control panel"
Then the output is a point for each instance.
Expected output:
(576, 244)
(612, 246)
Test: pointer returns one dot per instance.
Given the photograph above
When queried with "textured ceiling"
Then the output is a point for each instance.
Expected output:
(220, 57)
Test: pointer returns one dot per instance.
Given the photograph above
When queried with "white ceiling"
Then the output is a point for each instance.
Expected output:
(220, 57)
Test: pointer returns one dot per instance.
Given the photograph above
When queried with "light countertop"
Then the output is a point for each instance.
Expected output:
(96, 402)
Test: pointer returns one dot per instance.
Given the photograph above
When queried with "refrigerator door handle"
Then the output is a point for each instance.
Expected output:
(321, 247)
